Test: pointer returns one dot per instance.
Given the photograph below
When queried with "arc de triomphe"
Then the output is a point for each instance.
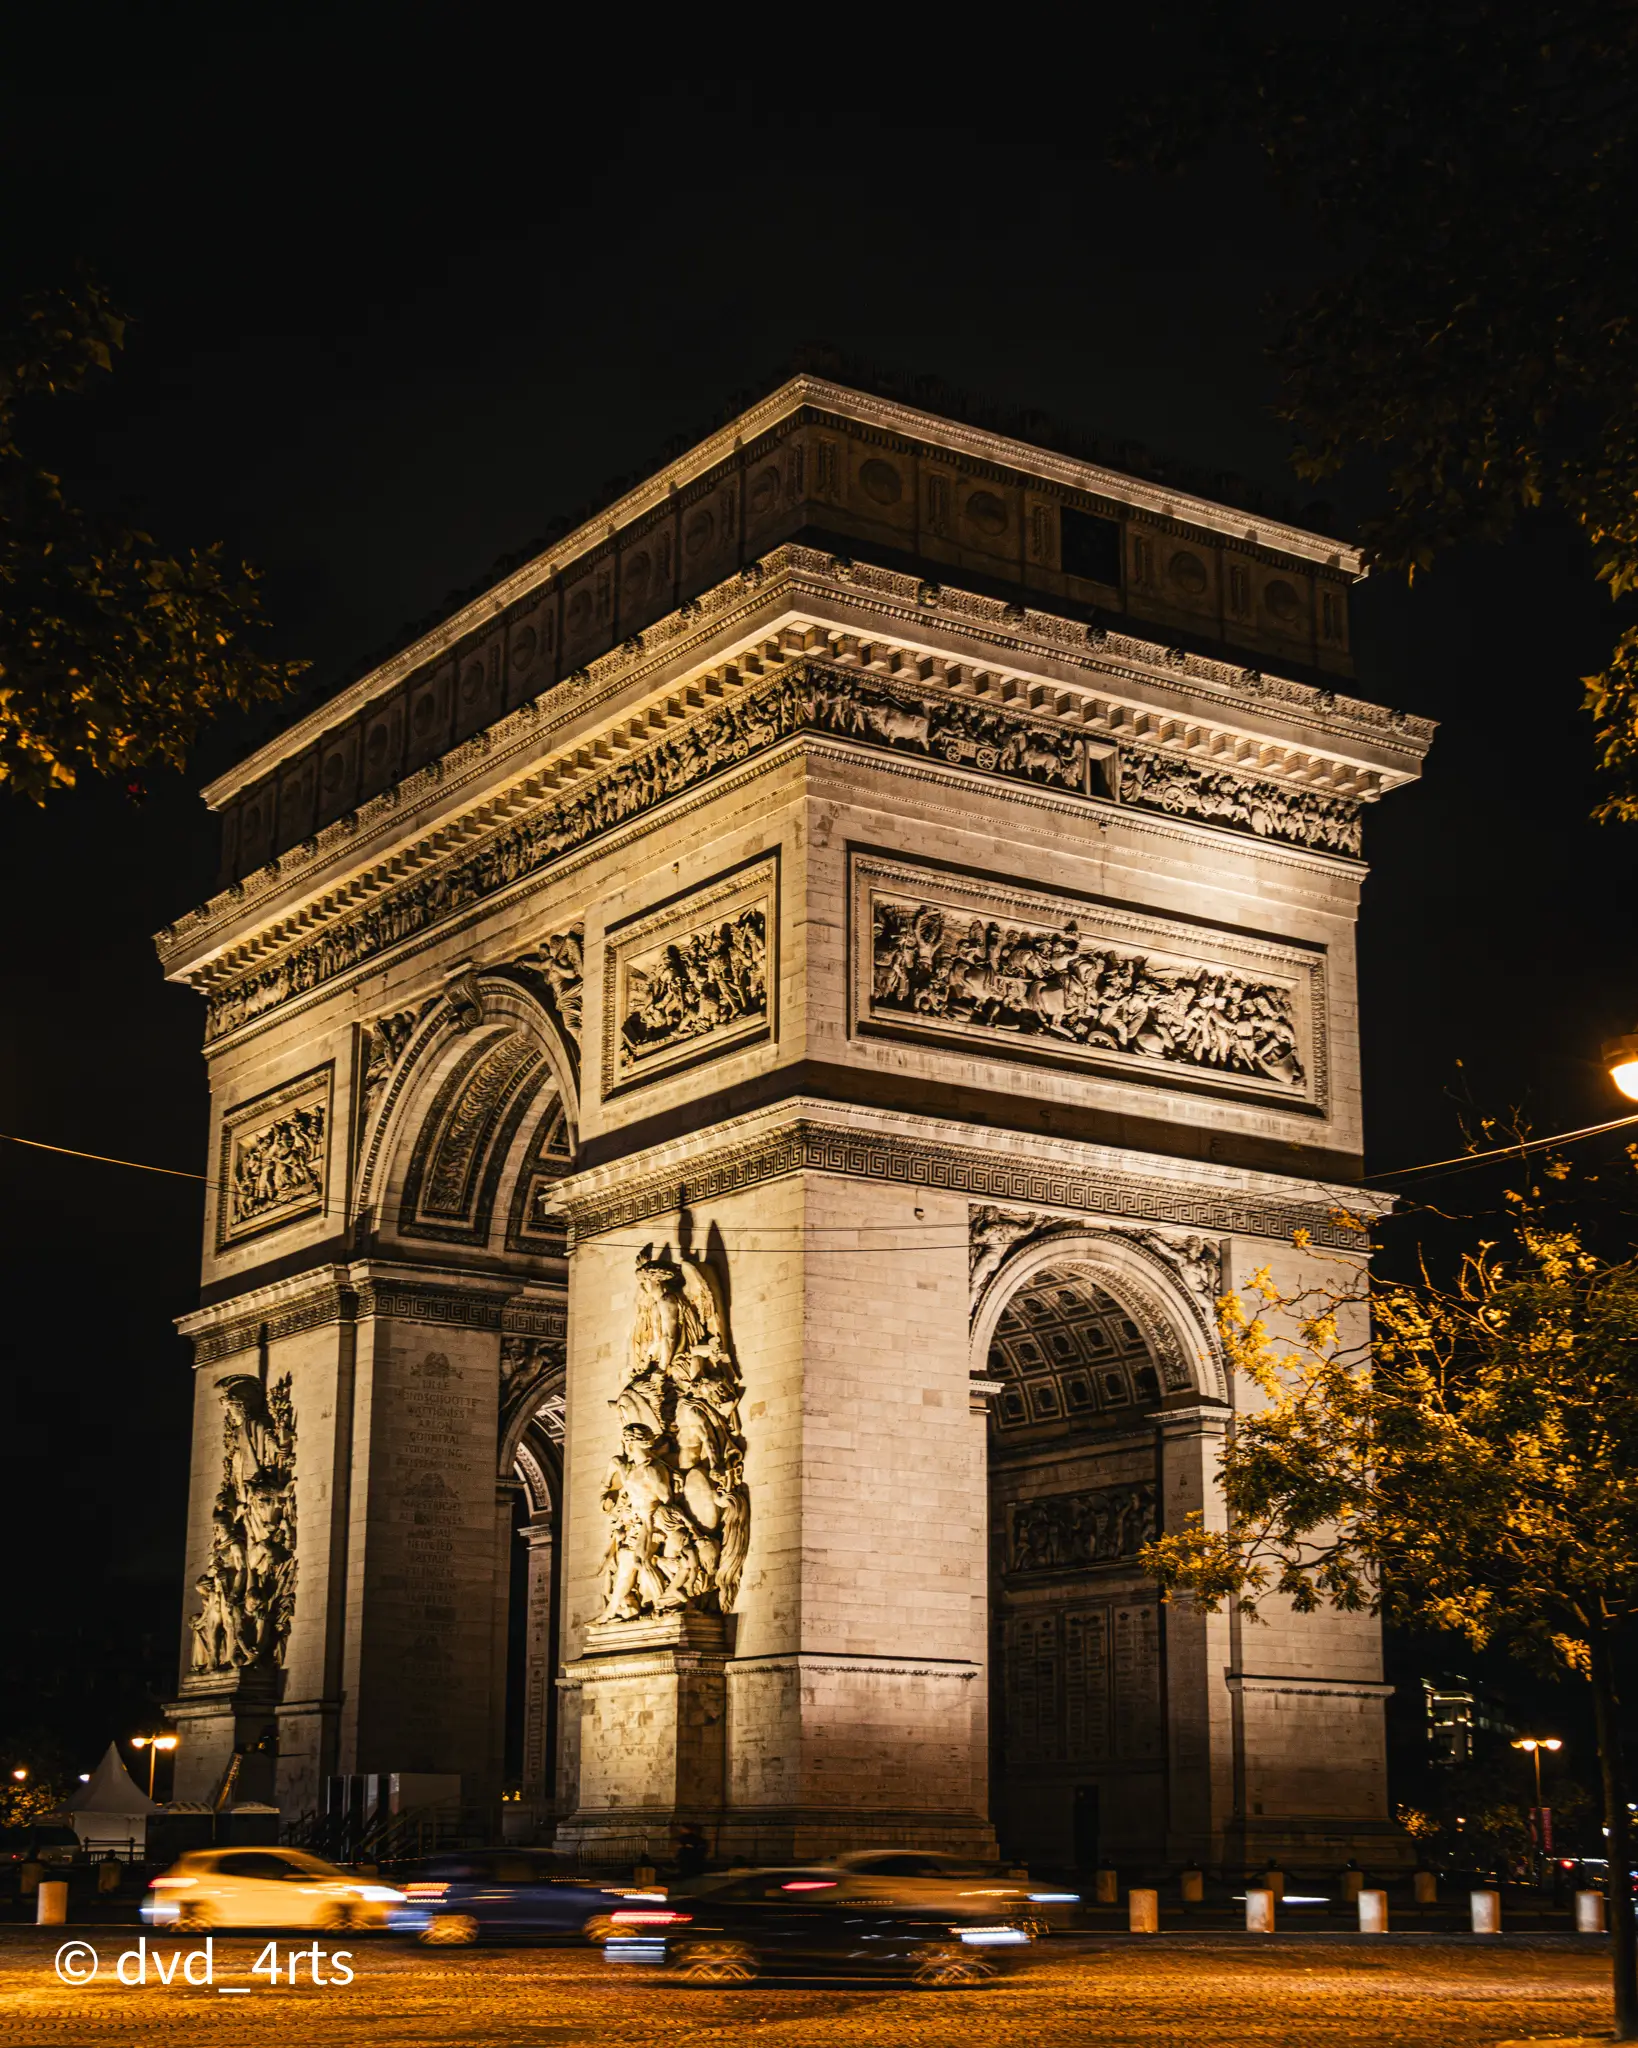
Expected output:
(740, 1063)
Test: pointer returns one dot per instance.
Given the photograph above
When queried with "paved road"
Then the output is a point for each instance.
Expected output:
(1292, 1994)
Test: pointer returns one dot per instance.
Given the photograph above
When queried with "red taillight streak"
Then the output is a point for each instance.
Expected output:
(649, 1919)
(811, 1884)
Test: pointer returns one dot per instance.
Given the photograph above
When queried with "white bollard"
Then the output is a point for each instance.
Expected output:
(1259, 1912)
(1486, 1909)
(51, 1907)
(1427, 1888)
(1143, 1912)
(1194, 1887)
(1353, 1883)
(1589, 1912)
(1107, 1884)
(1373, 1912)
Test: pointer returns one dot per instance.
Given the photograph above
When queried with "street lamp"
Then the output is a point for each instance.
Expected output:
(153, 1744)
(1535, 1744)
(20, 1773)
(1621, 1058)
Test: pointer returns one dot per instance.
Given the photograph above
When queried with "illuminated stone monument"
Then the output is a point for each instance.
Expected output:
(740, 1063)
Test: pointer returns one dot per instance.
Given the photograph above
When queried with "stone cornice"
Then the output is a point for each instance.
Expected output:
(1324, 1688)
(334, 1294)
(283, 1308)
(801, 391)
(1111, 687)
(1073, 1180)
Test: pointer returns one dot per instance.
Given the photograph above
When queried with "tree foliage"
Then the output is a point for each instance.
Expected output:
(1474, 1467)
(1473, 169)
(1481, 1475)
(112, 652)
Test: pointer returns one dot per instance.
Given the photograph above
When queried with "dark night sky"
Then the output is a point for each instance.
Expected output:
(390, 324)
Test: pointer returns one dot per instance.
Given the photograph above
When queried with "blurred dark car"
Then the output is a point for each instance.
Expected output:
(469, 1895)
(808, 1922)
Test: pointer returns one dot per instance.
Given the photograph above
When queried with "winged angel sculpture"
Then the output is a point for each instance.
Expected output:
(678, 1507)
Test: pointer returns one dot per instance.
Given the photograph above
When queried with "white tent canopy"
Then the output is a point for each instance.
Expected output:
(111, 1806)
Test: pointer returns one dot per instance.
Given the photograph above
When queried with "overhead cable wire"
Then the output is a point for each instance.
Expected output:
(1465, 1159)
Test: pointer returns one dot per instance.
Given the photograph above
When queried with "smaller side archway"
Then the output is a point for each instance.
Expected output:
(530, 1473)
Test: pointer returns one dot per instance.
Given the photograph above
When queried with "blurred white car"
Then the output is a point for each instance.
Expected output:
(924, 1877)
(210, 1888)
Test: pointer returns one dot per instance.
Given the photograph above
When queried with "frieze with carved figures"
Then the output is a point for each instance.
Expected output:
(1244, 803)
(691, 980)
(274, 1157)
(813, 697)
(1075, 983)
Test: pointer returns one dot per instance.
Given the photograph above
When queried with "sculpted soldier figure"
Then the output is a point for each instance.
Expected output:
(247, 1591)
(676, 1496)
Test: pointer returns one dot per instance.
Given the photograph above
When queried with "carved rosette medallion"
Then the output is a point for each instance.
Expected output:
(675, 1494)
(274, 1158)
(247, 1591)
(692, 979)
(1011, 971)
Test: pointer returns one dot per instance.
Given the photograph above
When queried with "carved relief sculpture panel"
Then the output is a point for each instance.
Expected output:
(273, 1158)
(247, 1591)
(1069, 1531)
(692, 979)
(675, 1494)
(1012, 971)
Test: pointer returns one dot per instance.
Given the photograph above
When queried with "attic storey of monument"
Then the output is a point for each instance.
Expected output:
(760, 1108)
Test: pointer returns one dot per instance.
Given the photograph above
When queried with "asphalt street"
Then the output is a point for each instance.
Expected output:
(1194, 1992)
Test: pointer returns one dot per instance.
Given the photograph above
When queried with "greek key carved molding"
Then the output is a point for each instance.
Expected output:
(420, 1304)
(810, 1146)
(331, 1304)
(1243, 803)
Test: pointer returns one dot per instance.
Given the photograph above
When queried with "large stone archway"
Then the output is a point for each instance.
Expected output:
(972, 973)
(1085, 1341)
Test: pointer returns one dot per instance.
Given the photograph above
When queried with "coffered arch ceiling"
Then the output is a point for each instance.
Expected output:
(1066, 1351)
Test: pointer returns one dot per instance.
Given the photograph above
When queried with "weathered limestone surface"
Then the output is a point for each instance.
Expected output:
(761, 1117)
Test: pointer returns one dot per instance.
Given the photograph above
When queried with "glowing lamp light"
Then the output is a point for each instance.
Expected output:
(1621, 1058)
(85, 1777)
(20, 1773)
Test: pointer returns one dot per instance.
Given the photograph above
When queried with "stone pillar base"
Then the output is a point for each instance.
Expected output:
(218, 1718)
(647, 1713)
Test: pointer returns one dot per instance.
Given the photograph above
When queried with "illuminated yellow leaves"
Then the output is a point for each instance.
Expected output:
(1480, 1474)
